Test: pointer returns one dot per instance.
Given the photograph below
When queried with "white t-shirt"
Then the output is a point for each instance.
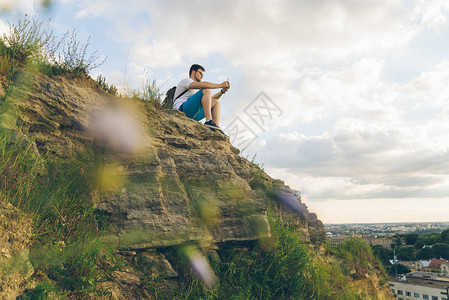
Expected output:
(181, 87)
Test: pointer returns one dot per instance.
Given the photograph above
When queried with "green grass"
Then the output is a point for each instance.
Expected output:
(259, 179)
(31, 45)
(67, 248)
(56, 194)
(25, 42)
(66, 244)
(151, 92)
(283, 268)
(110, 89)
(358, 256)
(68, 251)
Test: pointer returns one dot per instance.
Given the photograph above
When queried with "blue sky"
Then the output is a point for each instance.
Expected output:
(361, 87)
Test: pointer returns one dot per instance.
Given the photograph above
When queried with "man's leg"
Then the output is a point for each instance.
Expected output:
(192, 107)
(201, 105)
(211, 107)
(206, 103)
(216, 110)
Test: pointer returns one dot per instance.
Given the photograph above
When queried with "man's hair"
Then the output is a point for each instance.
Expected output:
(195, 68)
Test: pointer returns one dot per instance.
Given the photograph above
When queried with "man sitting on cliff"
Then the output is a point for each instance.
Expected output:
(194, 97)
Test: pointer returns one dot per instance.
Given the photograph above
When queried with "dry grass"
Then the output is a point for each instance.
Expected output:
(15, 238)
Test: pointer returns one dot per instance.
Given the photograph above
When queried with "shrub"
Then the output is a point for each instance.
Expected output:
(406, 253)
(259, 179)
(66, 225)
(281, 268)
(29, 45)
(425, 253)
(440, 250)
(74, 58)
(383, 254)
(26, 39)
(355, 254)
(400, 269)
(110, 89)
(151, 92)
(24, 42)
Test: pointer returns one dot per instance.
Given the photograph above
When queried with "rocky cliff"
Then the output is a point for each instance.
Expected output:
(164, 179)
(171, 164)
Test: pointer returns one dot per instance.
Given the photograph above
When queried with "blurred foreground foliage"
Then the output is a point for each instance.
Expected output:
(358, 257)
(68, 252)
(66, 248)
(282, 267)
(5, 6)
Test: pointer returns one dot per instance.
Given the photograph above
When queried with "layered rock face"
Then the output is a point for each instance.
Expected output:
(181, 182)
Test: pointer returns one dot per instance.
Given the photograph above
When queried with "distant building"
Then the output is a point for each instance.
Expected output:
(384, 242)
(339, 240)
(440, 265)
(434, 265)
(419, 286)
(423, 265)
(445, 268)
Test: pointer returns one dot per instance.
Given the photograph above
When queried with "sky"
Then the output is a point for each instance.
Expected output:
(346, 101)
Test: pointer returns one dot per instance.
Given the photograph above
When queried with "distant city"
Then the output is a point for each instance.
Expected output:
(384, 229)
(418, 266)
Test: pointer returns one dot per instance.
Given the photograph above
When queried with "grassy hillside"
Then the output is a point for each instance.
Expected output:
(52, 235)
(283, 267)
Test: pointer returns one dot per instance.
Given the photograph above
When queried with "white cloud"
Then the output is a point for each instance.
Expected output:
(382, 141)
(256, 33)
(157, 54)
(323, 92)
(272, 43)
(348, 132)
(433, 14)
(431, 87)
(359, 162)
(381, 210)
(94, 9)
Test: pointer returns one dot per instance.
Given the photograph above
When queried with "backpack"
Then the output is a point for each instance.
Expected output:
(168, 101)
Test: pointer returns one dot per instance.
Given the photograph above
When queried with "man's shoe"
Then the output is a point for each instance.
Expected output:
(211, 125)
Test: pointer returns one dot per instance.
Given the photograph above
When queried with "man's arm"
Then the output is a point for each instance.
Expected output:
(220, 93)
(208, 85)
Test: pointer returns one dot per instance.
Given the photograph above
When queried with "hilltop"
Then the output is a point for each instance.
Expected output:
(115, 197)
(179, 182)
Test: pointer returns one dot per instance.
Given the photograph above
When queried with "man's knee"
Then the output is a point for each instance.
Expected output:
(207, 92)
(216, 103)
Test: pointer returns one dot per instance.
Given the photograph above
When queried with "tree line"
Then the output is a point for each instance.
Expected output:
(412, 246)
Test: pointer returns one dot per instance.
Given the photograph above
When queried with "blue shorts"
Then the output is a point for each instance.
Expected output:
(192, 107)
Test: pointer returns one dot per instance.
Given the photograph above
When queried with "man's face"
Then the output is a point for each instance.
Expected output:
(199, 75)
